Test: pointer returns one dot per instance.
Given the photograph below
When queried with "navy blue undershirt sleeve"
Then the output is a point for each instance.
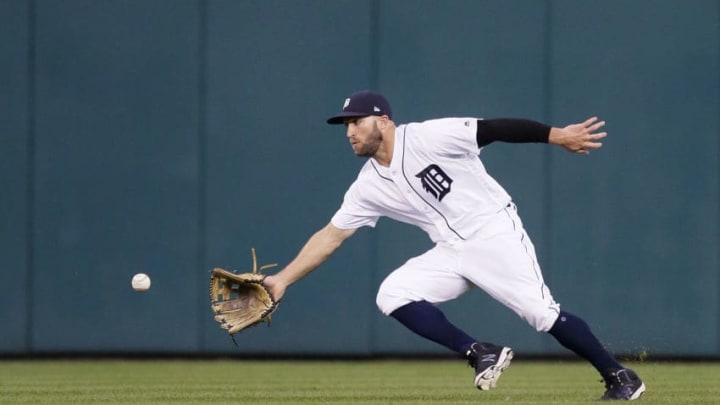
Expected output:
(513, 130)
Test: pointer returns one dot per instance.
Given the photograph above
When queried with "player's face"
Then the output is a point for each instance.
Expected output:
(364, 135)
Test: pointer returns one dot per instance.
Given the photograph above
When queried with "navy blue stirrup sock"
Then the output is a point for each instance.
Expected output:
(429, 322)
(573, 333)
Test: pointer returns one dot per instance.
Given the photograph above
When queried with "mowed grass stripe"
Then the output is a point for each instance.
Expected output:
(334, 382)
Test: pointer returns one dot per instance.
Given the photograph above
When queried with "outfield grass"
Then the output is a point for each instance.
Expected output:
(326, 382)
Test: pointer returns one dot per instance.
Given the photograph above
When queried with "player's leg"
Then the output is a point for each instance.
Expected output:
(501, 261)
(409, 293)
(506, 267)
(574, 333)
(426, 320)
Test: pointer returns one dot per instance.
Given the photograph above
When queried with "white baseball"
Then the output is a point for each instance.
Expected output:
(140, 282)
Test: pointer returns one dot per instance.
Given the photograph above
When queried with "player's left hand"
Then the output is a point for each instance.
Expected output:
(277, 289)
(579, 138)
(241, 300)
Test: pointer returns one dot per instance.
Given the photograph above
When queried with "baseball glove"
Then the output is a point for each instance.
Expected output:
(241, 300)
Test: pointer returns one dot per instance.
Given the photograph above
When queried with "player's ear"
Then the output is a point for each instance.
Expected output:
(383, 121)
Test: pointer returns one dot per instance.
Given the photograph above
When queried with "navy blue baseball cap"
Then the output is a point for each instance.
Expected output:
(362, 104)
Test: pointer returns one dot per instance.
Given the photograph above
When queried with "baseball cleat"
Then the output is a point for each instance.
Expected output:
(489, 362)
(622, 384)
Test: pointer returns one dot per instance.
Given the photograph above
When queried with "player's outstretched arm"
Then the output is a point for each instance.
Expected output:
(579, 138)
(318, 248)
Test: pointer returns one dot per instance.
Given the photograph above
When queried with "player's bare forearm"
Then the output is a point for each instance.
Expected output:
(579, 138)
(316, 251)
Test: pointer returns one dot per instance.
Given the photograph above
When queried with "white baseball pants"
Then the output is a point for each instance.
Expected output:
(500, 259)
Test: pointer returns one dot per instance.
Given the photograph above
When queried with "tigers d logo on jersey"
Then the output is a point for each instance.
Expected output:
(435, 181)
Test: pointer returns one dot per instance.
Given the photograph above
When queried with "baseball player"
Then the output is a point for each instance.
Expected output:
(429, 174)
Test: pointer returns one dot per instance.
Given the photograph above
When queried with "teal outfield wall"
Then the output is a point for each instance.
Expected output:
(169, 137)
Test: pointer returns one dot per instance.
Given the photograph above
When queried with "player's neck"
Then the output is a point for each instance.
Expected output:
(385, 153)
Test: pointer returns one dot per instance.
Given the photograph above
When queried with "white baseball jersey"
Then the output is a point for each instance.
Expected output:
(437, 182)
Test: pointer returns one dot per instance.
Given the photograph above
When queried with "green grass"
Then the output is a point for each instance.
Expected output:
(327, 382)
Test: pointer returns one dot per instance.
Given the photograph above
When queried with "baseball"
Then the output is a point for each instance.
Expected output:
(141, 282)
